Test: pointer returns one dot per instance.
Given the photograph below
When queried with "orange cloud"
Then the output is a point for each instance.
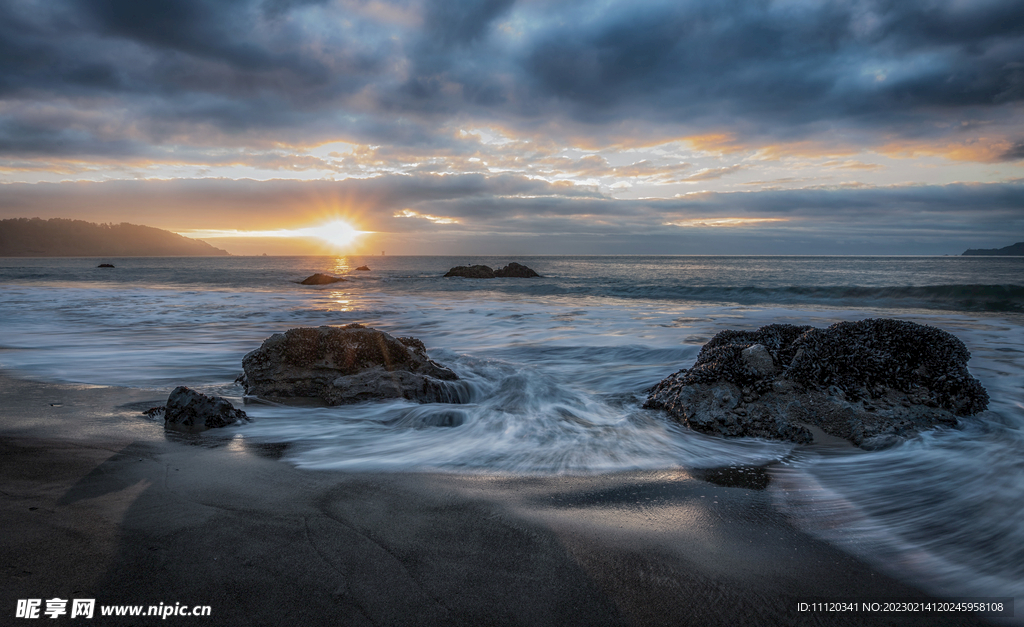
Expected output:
(719, 143)
(850, 164)
(980, 150)
(806, 149)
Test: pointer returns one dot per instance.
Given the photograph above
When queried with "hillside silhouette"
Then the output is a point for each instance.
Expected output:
(1015, 250)
(61, 237)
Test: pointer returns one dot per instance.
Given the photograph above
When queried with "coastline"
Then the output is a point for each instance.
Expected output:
(125, 513)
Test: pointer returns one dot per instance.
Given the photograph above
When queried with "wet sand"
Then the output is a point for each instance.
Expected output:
(98, 502)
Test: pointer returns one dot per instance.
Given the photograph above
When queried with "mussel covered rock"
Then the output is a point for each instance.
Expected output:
(872, 382)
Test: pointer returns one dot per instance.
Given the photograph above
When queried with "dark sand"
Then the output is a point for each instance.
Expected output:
(98, 502)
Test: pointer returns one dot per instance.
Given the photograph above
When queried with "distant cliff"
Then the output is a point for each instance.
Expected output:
(34, 237)
(1016, 250)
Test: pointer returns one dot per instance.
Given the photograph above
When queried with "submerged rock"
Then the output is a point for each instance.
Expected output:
(363, 268)
(321, 279)
(512, 270)
(105, 265)
(188, 410)
(871, 382)
(347, 364)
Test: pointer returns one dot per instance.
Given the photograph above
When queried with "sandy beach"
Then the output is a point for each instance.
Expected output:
(98, 502)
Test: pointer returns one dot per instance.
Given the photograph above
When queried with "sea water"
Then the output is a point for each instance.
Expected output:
(558, 368)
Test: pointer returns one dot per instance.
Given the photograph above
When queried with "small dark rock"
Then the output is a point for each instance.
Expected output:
(872, 382)
(105, 265)
(321, 279)
(363, 268)
(188, 410)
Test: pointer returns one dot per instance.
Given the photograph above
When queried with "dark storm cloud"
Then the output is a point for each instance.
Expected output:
(165, 66)
(460, 23)
(294, 71)
(193, 26)
(40, 139)
(785, 62)
(450, 51)
(1015, 153)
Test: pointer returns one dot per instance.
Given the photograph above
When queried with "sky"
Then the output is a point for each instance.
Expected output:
(504, 127)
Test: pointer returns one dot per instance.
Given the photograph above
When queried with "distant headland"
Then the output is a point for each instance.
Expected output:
(1014, 249)
(59, 237)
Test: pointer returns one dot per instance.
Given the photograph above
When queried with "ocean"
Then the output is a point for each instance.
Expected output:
(559, 367)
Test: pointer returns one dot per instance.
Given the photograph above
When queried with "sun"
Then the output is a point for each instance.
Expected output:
(338, 233)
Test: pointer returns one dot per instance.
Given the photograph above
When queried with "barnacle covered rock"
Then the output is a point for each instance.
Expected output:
(347, 364)
(872, 382)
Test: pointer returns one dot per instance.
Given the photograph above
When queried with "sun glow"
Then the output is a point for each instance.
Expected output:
(337, 233)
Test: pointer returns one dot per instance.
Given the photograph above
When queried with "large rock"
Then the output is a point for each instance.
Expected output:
(872, 382)
(188, 410)
(512, 270)
(321, 279)
(347, 364)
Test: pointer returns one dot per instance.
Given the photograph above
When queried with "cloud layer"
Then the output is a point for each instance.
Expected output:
(124, 78)
(575, 114)
(472, 214)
